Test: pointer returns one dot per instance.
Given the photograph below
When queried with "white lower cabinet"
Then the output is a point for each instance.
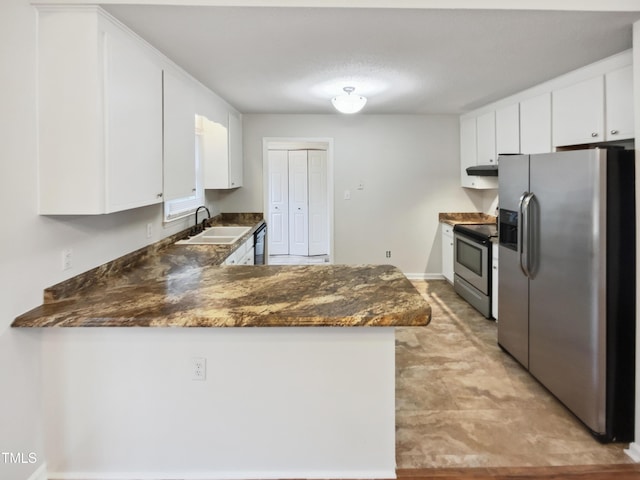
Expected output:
(99, 114)
(494, 281)
(243, 255)
(447, 252)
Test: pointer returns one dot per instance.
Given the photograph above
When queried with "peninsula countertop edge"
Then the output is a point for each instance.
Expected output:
(185, 286)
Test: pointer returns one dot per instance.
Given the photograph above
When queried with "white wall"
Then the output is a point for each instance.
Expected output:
(410, 165)
(276, 403)
(31, 245)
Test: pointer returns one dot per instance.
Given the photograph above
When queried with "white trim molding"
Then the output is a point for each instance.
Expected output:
(40, 473)
(634, 452)
(228, 475)
(424, 276)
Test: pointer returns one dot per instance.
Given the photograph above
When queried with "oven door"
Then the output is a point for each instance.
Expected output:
(471, 261)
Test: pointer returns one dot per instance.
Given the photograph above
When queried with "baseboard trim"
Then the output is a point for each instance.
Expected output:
(634, 452)
(424, 276)
(233, 475)
(40, 473)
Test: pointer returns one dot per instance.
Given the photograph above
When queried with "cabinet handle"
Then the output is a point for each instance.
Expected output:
(193, 189)
(159, 195)
(594, 134)
(491, 160)
(614, 132)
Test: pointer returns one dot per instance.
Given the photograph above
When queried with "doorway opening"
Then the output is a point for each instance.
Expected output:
(298, 200)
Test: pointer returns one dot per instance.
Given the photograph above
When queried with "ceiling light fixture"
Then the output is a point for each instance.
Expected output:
(348, 103)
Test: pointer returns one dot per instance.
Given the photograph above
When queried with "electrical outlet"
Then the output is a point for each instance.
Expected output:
(198, 368)
(347, 195)
(388, 254)
(67, 259)
(149, 230)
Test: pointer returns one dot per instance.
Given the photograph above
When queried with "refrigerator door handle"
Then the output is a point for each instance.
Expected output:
(525, 250)
(520, 234)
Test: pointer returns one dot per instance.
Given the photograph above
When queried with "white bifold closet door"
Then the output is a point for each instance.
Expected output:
(278, 202)
(318, 202)
(298, 202)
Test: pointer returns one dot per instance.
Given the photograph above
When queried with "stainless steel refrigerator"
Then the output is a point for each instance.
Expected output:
(567, 279)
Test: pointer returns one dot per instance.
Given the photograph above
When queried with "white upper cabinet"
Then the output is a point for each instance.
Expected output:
(591, 105)
(235, 151)
(508, 129)
(99, 115)
(535, 124)
(469, 156)
(595, 110)
(179, 136)
(223, 154)
(578, 113)
(468, 152)
(619, 104)
(216, 154)
(486, 138)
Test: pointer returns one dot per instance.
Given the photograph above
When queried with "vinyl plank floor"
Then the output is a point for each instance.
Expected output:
(461, 402)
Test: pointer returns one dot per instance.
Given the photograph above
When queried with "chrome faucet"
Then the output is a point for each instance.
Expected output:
(198, 228)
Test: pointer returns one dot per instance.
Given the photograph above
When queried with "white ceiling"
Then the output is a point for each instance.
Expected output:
(294, 59)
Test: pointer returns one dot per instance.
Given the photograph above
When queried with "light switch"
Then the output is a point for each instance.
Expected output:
(347, 195)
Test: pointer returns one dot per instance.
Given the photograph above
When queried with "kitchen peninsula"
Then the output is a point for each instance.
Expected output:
(276, 399)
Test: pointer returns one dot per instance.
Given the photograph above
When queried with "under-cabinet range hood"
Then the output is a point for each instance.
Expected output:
(483, 170)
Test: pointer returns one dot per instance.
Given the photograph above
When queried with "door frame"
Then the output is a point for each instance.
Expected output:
(300, 143)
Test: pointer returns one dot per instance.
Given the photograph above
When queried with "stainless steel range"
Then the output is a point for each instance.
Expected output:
(472, 264)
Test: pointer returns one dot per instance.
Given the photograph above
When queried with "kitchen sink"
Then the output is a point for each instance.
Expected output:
(224, 231)
(216, 236)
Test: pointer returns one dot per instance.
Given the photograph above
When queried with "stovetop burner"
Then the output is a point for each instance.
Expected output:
(482, 232)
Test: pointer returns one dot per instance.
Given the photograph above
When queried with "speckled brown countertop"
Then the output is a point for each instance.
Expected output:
(184, 286)
(467, 218)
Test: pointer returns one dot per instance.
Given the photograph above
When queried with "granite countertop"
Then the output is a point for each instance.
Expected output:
(185, 286)
(456, 218)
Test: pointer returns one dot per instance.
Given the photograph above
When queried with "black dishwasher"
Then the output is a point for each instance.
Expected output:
(259, 245)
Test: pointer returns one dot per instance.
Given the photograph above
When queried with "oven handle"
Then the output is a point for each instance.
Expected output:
(524, 248)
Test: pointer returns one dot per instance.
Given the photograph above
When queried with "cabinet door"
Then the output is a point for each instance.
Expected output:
(133, 98)
(298, 203)
(486, 138)
(179, 137)
(468, 149)
(535, 124)
(578, 113)
(278, 202)
(469, 156)
(447, 252)
(216, 155)
(619, 104)
(508, 130)
(235, 151)
(318, 212)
